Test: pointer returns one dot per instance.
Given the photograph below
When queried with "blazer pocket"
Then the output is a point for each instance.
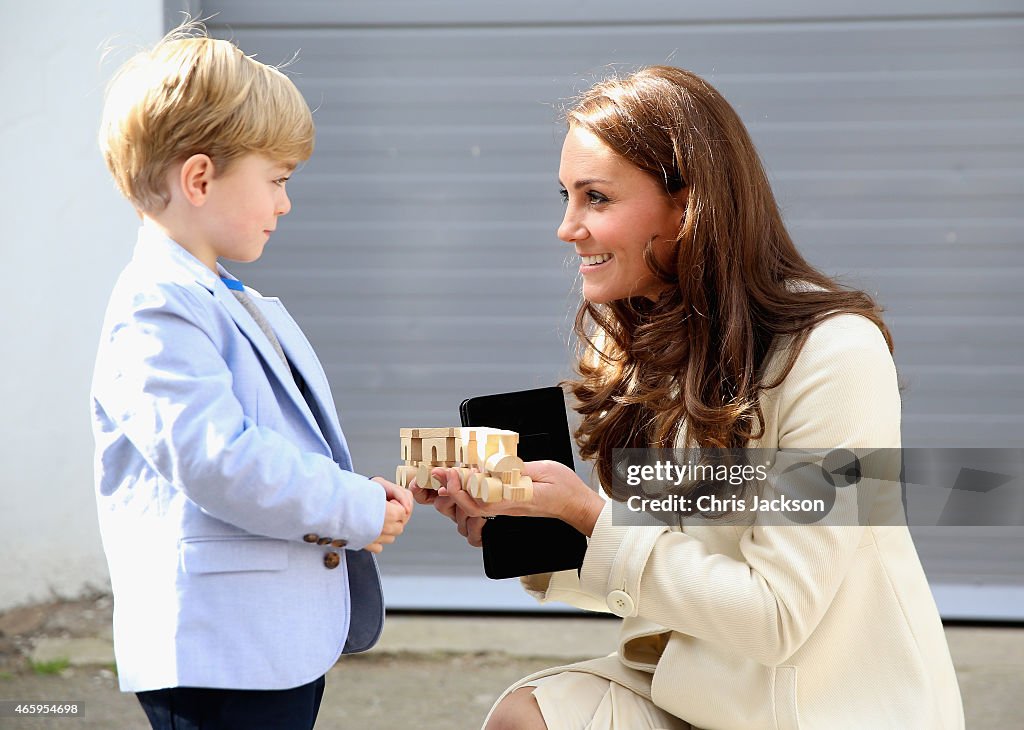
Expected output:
(239, 554)
(784, 697)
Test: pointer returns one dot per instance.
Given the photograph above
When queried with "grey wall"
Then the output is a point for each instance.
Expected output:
(420, 254)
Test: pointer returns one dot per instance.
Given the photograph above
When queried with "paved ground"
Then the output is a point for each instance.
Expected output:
(427, 672)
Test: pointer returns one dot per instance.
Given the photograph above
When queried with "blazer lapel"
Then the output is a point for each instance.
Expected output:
(303, 359)
(262, 345)
(170, 262)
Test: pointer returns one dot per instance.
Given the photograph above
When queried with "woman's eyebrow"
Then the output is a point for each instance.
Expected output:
(587, 181)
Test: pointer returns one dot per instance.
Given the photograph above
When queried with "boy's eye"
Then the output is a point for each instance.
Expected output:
(281, 180)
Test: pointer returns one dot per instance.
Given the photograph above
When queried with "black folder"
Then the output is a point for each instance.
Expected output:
(517, 546)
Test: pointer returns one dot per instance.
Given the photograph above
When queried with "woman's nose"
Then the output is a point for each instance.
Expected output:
(571, 228)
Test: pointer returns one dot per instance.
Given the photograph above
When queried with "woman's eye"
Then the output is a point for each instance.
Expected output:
(564, 194)
(595, 197)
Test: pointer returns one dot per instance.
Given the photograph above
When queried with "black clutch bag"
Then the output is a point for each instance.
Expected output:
(517, 546)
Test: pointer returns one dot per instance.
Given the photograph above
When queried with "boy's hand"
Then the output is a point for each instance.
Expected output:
(396, 513)
(395, 518)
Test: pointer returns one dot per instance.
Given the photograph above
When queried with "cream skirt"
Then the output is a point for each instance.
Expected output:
(578, 697)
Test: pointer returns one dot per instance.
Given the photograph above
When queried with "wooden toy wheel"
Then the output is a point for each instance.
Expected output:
(424, 480)
(490, 489)
(472, 485)
(464, 475)
(404, 475)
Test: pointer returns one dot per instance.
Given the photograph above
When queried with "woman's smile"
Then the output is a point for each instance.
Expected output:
(592, 263)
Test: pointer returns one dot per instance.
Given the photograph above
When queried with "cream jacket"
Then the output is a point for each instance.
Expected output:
(751, 627)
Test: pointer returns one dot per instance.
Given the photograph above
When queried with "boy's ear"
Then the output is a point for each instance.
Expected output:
(194, 178)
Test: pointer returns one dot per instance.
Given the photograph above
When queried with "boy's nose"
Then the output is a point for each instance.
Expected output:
(284, 204)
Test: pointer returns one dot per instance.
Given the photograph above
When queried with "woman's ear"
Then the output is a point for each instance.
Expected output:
(194, 178)
(681, 197)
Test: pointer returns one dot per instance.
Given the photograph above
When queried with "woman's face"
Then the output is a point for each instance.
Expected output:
(613, 209)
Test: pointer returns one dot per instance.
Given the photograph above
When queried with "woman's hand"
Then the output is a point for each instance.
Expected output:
(557, 492)
(395, 493)
(470, 528)
(430, 496)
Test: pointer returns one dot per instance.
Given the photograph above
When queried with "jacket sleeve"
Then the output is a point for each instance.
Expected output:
(841, 392)
(162, 381)
(563, 586)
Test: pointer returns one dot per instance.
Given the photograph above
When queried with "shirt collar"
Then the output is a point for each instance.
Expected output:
(156, 247)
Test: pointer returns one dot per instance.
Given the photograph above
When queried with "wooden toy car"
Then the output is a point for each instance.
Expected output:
(485, 458)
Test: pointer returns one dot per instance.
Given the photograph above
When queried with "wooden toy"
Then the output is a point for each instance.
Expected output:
(485, 458)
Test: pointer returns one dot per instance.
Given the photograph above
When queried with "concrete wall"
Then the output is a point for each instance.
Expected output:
(66, 235)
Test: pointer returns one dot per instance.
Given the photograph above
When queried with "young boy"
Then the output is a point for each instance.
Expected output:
(238, 538)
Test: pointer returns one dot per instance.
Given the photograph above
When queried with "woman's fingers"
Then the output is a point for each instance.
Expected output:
(468, 505)
(449, 479)
(475, 526)
(423, 496)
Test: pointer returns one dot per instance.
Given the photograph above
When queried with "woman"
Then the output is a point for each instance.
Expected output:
(703, 326)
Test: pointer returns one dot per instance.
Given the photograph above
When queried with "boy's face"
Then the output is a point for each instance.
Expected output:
(242, 207)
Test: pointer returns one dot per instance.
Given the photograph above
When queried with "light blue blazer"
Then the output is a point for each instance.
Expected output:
(211, 470)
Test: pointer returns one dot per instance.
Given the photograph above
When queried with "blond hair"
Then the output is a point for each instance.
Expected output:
(193, 94)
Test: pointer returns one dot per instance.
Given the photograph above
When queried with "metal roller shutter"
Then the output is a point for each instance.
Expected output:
(421, 259)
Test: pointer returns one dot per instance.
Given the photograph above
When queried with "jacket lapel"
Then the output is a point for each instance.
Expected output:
(262, 345)
(298, 350)
(171, 262)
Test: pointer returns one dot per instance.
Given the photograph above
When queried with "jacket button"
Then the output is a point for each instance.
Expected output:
(311, 537)
(339, 543)
(620, 603)
(324, 541)
(331, 560)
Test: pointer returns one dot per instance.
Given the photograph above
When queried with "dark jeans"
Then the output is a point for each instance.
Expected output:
(199, 708)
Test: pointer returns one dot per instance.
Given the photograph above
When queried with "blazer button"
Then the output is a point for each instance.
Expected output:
(331, 560)
(339, 543)
(311, 537)
(324, 541)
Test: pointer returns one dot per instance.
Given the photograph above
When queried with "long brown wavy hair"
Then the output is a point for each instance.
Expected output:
(696, 357)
